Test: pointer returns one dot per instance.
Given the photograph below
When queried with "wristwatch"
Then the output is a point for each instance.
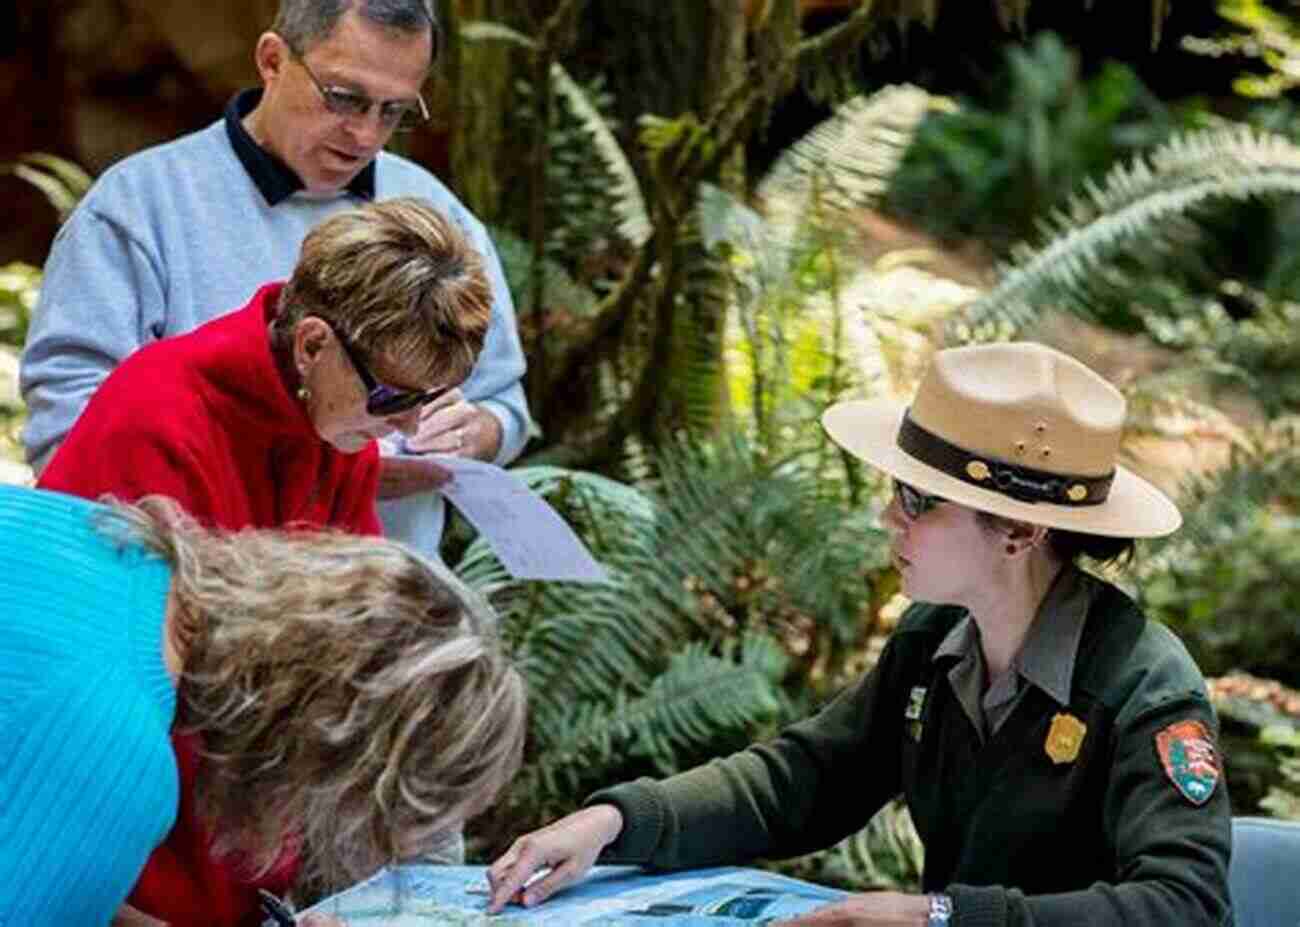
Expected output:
(940, 911)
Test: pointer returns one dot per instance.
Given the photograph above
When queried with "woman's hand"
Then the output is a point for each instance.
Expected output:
(568, 847)
(453, 425)
(874, 909)
(321, 920)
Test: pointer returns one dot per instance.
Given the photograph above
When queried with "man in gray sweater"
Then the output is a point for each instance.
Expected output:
(179, 234)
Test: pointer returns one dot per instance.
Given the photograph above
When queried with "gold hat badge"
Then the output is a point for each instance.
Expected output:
(1065, 738)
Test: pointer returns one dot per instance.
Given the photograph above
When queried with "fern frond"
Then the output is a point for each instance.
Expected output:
(848, 159)
(698, 700)
(1132, 202)
(482, 30)
(575, 641)
(62, 182)
(629, 203)
(887, 853)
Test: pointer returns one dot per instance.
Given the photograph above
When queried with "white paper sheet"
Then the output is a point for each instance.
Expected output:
(530, 538)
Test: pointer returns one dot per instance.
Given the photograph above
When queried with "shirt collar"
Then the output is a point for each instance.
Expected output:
(1048, 655)
(275, 179)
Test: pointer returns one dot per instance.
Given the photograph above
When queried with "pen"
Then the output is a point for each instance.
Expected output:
(277, 915)
(482, 887)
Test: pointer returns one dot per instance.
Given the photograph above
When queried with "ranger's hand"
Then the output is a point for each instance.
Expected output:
(568, 848)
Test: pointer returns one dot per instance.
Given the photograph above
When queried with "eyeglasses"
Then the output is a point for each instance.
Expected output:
(398, 115)
(912, 501)
(382, 400)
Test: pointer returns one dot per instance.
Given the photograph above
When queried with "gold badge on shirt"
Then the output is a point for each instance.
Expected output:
(1065, 738)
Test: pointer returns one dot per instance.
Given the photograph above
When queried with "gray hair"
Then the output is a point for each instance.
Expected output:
(350, 697)
(303, 23)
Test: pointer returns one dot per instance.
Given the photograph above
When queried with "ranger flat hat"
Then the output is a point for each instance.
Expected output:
(1019, 430)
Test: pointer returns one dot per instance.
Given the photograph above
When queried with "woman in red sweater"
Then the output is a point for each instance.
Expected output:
(267, 417)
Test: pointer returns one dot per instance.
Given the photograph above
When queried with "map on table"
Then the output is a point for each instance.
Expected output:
(610, 896)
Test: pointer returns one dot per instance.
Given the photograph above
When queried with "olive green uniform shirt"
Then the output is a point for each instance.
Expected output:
(1088, 793)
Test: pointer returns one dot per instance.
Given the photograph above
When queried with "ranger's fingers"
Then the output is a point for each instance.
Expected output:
(508, 880)
(502, 865)
(558, 878)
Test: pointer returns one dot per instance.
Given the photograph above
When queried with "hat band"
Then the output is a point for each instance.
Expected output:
(1024, 484)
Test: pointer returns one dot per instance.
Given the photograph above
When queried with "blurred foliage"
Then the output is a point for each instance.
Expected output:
(1253, 712)
(1283, 801)
(1263, 34)
(63, 184)
(1259, 353)
(19, 284)
(989, 170)
(1226, 603)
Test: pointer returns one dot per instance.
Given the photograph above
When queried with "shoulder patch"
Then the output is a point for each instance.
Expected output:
(1190, 759)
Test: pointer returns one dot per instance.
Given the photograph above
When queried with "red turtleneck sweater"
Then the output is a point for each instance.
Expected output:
(206, 419)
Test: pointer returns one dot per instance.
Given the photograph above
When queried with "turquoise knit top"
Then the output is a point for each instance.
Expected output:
(88, 781)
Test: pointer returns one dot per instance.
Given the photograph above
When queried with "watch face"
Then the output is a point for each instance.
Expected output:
(940, 910)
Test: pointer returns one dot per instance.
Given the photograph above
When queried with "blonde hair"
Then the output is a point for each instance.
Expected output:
(397, 279)
(348, 694)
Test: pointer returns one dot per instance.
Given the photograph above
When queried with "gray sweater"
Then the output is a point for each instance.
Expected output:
(176, 235)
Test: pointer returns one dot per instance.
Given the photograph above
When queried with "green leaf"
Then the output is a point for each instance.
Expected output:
(486, 31)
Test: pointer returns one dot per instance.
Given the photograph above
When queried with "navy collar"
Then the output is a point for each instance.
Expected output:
(275, 179)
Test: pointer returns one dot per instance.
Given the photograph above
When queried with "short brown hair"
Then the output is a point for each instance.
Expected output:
(398, 280)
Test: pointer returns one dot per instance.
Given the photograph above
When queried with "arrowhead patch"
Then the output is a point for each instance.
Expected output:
(1190, 759)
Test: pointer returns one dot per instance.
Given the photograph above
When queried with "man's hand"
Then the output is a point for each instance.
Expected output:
(874, 909)
(453, 425)
(568, 847)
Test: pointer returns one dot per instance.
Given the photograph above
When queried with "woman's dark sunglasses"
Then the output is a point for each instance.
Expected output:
(912, 501)
(383, 400)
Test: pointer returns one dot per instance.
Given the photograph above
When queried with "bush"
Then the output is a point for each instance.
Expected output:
(989, 171)
(1229, 600)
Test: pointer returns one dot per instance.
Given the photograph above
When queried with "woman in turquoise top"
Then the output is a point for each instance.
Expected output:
(337, 680)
